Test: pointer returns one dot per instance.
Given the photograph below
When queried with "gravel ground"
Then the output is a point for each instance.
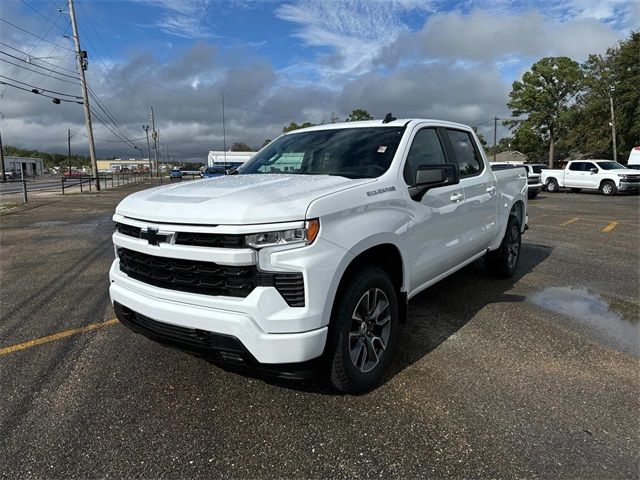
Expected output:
(536, 376)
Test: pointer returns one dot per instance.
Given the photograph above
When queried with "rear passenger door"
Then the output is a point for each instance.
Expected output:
(479, 215)
(574, 176)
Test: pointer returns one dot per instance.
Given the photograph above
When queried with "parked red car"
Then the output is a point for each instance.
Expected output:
(73, 174)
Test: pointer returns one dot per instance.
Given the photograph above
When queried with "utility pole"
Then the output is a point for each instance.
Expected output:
(224, 135)
(146, 129)
(154, 135)
(613, 124)
(69, 148)
(4, 174)
(495, 137)
(81, 57)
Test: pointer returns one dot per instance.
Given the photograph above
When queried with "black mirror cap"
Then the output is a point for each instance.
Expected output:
(593, 170)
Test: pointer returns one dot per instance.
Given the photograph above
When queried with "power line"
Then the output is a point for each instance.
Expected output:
(109, 141)
(43, 94)
(40, 59)
(36, 71)
(109, 115)
(46, 18)
(40, 88)
(39, 66)
(33, 34)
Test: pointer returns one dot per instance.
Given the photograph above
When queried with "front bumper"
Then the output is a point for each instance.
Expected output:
(534, 187)
(629, 186)
(239, 318)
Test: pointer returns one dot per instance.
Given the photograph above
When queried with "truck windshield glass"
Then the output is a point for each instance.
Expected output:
(610, 165)
(346, 152)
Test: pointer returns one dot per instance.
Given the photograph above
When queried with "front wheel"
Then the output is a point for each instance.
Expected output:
(608, 188)
(552, 185)
(503, 262)
(365, 331)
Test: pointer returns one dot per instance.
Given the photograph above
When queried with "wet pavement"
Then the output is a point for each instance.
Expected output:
(528, 377)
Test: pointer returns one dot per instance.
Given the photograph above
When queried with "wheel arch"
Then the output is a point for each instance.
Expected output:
(386, 256)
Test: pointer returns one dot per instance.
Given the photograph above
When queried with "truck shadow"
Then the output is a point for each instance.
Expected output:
(443, 309)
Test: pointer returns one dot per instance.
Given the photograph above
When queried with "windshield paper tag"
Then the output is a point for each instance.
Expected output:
(382, 148)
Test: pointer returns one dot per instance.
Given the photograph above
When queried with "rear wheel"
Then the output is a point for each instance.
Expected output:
(364, 333)
(608, 188)
(503, 262)
(552, 185)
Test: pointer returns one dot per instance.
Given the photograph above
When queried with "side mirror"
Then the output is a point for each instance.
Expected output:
(433, 176)
(593, 170)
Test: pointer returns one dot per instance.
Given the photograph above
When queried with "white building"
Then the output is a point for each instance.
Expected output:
(220, 157)
(30, 166)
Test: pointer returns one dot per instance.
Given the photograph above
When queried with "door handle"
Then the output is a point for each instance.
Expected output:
(491, 190)
(456, 197)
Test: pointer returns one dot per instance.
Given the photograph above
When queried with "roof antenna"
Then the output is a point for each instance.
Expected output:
(388, 118)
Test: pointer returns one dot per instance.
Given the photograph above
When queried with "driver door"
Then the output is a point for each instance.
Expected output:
(434, 236)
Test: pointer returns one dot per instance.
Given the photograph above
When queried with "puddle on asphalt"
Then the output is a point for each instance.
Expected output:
(595, 313)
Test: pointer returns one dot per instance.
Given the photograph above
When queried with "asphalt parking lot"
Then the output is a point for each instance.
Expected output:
(536, 376)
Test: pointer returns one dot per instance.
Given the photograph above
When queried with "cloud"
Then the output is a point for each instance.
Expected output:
(182, 18)
(352, 31)
(483, 36)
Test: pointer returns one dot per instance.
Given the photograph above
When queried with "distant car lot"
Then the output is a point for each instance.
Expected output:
(498, 382)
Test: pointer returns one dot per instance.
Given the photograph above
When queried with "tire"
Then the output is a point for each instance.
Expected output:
(552, 185)
(608, 188)
(576, 190)
(503, 262)
(532, 195)
(360, 352)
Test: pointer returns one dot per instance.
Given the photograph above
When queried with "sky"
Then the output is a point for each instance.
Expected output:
(276, 62)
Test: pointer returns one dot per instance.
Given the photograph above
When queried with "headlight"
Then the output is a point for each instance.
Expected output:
(302, 236)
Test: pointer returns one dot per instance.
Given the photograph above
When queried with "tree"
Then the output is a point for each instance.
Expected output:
(610, 78)
(544, 95)
(295, 126)
(483, 141)
(265, 143)
(334, 118)
(358, 115)
(241, 147)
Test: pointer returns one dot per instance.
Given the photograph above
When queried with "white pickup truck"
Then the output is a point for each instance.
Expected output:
(304, 259)
(604, 175)
(534, 182)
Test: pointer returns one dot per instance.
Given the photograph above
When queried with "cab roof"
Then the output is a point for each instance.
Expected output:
(400, 122)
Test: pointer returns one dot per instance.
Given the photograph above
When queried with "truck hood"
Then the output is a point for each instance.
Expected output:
(234, 199)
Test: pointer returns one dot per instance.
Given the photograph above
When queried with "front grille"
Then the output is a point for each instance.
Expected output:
(635, 179)
(219, 240)
(211, 240)
(533, 181)
(206, 278)
(209, 278)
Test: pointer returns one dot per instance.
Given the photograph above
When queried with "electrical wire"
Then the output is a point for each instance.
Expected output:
(33, 34)
(39, 66)
(109, 141)
(109, 115)
(43, 94)
(40, 88)
(40, 59)
(36, 71)
(46, 18)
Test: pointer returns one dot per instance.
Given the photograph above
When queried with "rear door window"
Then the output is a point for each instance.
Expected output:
(467, 156)
(577, 167)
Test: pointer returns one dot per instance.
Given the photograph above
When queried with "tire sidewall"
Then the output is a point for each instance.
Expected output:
(611, 192)
(371, 277)
(552, 186)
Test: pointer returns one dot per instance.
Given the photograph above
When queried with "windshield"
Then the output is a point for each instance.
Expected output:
(610, 165)
(346, 152)
(539, 168)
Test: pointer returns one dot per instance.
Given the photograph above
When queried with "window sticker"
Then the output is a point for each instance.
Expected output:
(382, 148)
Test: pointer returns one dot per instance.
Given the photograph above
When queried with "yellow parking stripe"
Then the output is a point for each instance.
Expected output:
(610, 227)
(569, 222)
(56, 336)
